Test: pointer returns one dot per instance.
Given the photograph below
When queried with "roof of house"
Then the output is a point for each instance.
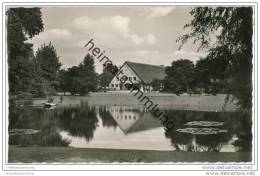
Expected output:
(147, 72)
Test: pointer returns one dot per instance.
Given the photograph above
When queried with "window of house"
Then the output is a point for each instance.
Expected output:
(130, 78)
(134, 78)
(112, 85)
(116, 85)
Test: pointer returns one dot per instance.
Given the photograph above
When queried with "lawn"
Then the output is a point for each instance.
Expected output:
(68, 155)
(164, 100)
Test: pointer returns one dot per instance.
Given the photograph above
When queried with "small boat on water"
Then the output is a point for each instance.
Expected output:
(49, 105)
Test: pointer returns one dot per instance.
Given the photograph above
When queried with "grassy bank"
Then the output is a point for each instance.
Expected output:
(66, 154)
(164, 100)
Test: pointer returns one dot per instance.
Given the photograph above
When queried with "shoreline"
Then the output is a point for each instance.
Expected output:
(80, 155)
(165, 101)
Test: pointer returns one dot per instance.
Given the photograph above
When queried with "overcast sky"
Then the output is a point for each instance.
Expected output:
(139, 34)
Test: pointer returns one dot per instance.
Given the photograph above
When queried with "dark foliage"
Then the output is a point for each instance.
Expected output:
(23, 23)
(109, 71)
(80, 79)
(232, 29)
(179, 76)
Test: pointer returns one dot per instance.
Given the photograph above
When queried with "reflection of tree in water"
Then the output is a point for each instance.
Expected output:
(244, 128)
(48, 136)
(79, 121)
(38, 119)
(179, 140)
(211, 142)
(189, 142)
(107, 119)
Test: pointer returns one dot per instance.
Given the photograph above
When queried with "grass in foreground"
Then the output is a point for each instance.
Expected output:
(67, 154)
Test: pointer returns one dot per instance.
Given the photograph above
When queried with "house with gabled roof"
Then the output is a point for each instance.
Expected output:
(137, 73)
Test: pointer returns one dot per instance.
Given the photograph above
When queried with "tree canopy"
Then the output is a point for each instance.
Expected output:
(179, 76)
(22, 23)
(79, 79)
(46, 66)
(40, 75)
(231, 29)
(48, 62)
(109, 71)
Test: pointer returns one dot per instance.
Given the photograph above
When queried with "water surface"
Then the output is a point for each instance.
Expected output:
(130, 127)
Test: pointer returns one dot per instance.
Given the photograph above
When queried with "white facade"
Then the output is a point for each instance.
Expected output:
(116, 84)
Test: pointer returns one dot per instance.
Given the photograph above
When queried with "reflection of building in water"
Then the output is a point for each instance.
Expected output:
(131, 119)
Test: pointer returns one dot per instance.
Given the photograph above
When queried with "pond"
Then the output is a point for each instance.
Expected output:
(129, 127)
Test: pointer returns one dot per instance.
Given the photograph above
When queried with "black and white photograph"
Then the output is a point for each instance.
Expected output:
(125, 84)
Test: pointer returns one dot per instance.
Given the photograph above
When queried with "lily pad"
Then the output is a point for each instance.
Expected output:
(201, 131)
(22, 131)
(204, 123)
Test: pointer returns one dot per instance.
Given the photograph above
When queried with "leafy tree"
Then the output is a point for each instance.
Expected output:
(109, 71)
(202, 72)
(20, 75)
(76, 85)
(88, 76)
(157, 84)
(179, 76)
(73, 73)
(47, 64)
(63, 80)
(83, 78)
(232, 29)
(22, 24)
(210, 75)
